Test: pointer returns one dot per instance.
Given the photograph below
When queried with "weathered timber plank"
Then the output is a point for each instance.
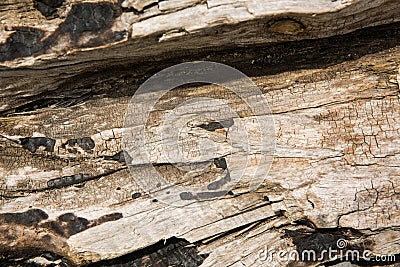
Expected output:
(69, 69)
(336, 165)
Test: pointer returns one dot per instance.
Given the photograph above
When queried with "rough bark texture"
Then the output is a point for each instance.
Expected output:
(70, 69)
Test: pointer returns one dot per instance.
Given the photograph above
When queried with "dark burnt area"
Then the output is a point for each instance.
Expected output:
(119, 156)
(171, 252)
(204, 195)
(106, 218)
(136, 195)
(76, 179)
(186, 196)
(48, 8)
(215, 125)
(34, 143)
(220, 163)
(20, 257)
(95, 19)
(65, 181)
(50, 256)
(135, 11)
(27, 218)
(210, 195)
(86, 143)
(23, 42)
(219, 183)
(69, 224)
(65, 225)
(323, 239)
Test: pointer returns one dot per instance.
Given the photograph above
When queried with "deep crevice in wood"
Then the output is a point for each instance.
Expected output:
(253, 61)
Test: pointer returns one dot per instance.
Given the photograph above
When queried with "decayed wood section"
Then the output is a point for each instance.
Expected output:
(73, 38)
(67, 196)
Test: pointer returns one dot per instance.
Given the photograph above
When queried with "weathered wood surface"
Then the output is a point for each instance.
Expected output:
(56, 43)
(35, 31)
(66, 192)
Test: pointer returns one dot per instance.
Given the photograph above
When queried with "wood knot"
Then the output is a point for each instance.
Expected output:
(287, 26)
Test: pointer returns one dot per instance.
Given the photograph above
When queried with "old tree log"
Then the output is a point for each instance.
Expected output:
(328, 69)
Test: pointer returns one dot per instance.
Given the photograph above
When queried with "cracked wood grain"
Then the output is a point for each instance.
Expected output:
(336, 167)
(67, 197)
